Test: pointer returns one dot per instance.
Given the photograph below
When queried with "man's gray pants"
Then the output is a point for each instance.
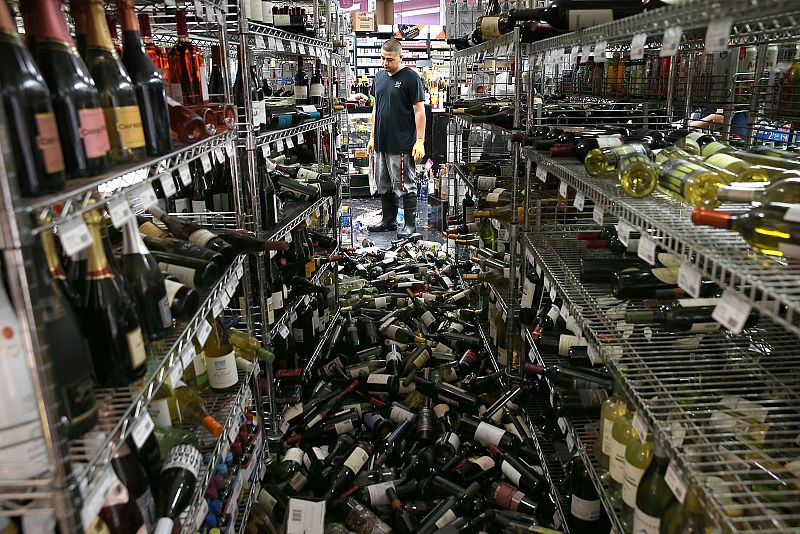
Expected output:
(396, 172)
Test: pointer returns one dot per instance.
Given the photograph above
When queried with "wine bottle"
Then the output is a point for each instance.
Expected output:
(148, 82)
(36, 147)
(192, 410)
(220, 358)
(176, 487)
(216, 82)
(689, 518)
(186, 125)
(131, 473)
(117, 94)
(493, 25)
(301, 84)
(183, 300)
(146, 283)
(109, 319)
(585, 505)
(186, 84)
(653, 496)
(192, 272)
(612, 409)
(180, 247)
(504, 119)
(689, 181)
(638, 454)
(120, 511)
(317, 89)
(771, 228)
(638, 175)
(684, 315)
(76, 101)
(351, 466)
(604, 162)
(620, 433)
(784, 189)
(195, 233)
(574, 15)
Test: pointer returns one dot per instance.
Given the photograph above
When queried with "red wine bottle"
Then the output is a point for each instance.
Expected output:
(176, 487)
(194, 233)
(487, 434)
(351, 466)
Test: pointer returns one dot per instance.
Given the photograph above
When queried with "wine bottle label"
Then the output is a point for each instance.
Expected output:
(792, 213)
(116, 494)
(566, 341)
(295, 454)
(344, 427)
(277, 300)
(270, 310)
(488, 434)
(453, 440)
(165, 312)
(490, 27)
(493, 197)
(259, 112)
(147, 507)
(726, 161)
(617, 460)
(282, 19)
(666, 275)
(128, 122)
(136, 350)
(378, 379)
(630, 483)
(298, 335)
(528, 290)
(48, 142)
(585, 510)
(202, 236)
(645, 524)
(159, 411)
(329, 369)
(307, 174)
(676, 174)
(292, 411)
(317, 90)
(553, 313)
(469, 214)
(183, 457)
(428, 319)
(486, 183)
(267, 500)
(222, 370)
(300, 92)
(712, 148)
(584, 18)
(448, 517)
(357, 459)
(377, 493)
(185, 275)
(510, 473)
(93, 132)
(381, 302)
(507, 496)
(399, 414)
(608, 141)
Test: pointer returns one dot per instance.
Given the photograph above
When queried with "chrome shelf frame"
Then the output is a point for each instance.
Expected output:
(279, 135)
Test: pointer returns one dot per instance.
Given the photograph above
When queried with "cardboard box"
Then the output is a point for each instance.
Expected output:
(362, 22)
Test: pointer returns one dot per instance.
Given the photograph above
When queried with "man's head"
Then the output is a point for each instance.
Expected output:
(392, 55)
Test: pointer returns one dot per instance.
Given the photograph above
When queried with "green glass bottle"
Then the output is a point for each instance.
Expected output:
(612, 409)
(653, 496)
(620, 433)
(638, 455)
(690, 518)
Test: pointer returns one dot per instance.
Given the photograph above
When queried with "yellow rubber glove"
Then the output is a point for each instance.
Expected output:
(419, 149)
(371, 145)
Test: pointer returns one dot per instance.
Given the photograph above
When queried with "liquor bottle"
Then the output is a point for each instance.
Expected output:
(771, 228)
(194, 233)
(691, 182)
(574, 15)
(604, 162)
(186, 83)
(653, 496)
(148, 83)
(76, 101)
(317, 89)
(301, 83)
(118, 96)
(36, 146)
(146, 283)
(584, 503)
(638, 454)
(620, 433)
(782, 190)
(193, 272)
(612, 409)
(176, 487)
(109, 319)
(186, 125)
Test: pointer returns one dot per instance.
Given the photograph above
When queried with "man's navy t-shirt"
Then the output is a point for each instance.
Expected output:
(395, 96)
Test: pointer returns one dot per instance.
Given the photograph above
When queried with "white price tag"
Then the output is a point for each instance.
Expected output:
(718, 34)
(289, 143)
(553, 398)
(95, 499)
(553, 293)
(562, 424)
(539, 269)
(225, 297)
(280, 145)
(689, 278)
(229, 149)
(732, 311)
(624, 229)
(233, 431)
(147, 196)
(142, 428)
(202, 332)
(219, 154)
(187, 354)
(74, 235)
(570, 442)
(260, 44)
(597, 215)
(272, 43)
(563, 189)
(580, 201)
(167, 184)
(675, 482)
(176, 373)
(185, 174)
(120, 210)
(205, 161)
(503, 234)
(594, 357)
(270, 164)
(564, 311)
(239, 270)
(574, 53)
(217, 306)
(541, 173)
(283, 330)
(300, 139)
(547, 283)
(279, 45)
(637, 45)
(671, 41)
(600, 51)
(293, 317)
(639, 426)
(647, 249)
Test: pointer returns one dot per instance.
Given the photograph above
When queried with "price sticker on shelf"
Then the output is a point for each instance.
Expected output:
(283, 330)
(640, 426)
(647, 249)
(732, 311)
(293, 317)
(219, 154)
(217, 306)
(147, 196)
(552, 398)
(718, 34)
(502, 234)
(233, 431)
(205, 161)
(547, 283)
(202, 332)
(260, 43)
(74, 235)
(185, 174)
(564, 311)
(167, 184)
(175, 373)
(279, 46)
(198, 10)
(553, 292)
(594, 357)
(600, 51)
(570, 442)
(541, 173)
(300, 139)
(230, 149)
(637, 45)
(142, 428)
(269, 163)
(239, 270)
(273, 45)
(97, 496)
(573, 54)
(598, 215)
(562, 425)
(580, 201)
(675, 482)
(288, 142)
(671, 41)
(280, 146)
(624, 229)
(689, 278)
(120, 210)
(539, 270)
(188, 354)
(563, 189)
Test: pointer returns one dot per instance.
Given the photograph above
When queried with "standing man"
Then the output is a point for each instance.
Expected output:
(398, 138)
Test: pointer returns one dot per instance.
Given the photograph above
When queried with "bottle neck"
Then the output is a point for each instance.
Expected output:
(7, 25)
(51, 255)
(44, 20)
(97, 263)
(132, 242)
(182, 26)
(127, 15)
(97, 33)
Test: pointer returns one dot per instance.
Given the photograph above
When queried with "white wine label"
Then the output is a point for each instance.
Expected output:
(357, 459)
(185, 175)
(616, 464)
(600, 48)
(732, 311)
(381, 302)
(398, 415)
(486, 183)
(792, 214)
(630, 483)
(647, 249)
(222, 370)
(201, 237)
(317, 89)
(167, 184)
(298, 335)
(528, 289)
(428, 319)
(553, 312)
(183, 457)
(94, 501)
(587, 510)
(277, 300)
(484, 462)
(510, 473)
(305, 516)
(295, 454)
(136, 349)
(377, 493)
(490, 28)
(452, 439)
(165, 312)
(584, 18)
(487, 434)
(344, 427)
(448, 517)
(645, 524)
(378, 379)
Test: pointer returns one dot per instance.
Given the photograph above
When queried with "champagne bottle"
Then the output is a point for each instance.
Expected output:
(117, 94)
(195, 233)
(146, 282)
(76, 101)
(653, 496)
(176, 488)
(109, 318)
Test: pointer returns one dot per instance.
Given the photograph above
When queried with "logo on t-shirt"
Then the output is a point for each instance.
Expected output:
(397, 84)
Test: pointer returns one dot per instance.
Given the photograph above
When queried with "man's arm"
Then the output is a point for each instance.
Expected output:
(371, 144)
(419, 119)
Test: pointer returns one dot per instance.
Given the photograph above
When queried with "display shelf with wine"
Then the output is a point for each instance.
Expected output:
(124, 410)
(296, 131)
(686, 376)
(299, 214)
(272, 40)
